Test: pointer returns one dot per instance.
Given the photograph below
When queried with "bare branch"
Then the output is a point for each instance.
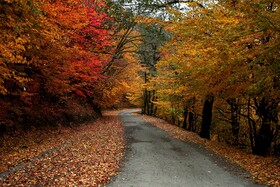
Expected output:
(177, 2)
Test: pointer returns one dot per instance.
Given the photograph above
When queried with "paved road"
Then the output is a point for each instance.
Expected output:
(154, 159)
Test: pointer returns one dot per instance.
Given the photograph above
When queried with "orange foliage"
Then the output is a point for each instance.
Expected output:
(52, 53)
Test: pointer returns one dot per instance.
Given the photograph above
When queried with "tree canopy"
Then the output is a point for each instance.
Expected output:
(208, 66)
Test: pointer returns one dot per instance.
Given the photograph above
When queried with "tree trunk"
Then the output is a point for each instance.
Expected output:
(263, 140)
(148, 102)
(252, 126)
(173, 119)
(234, 111)
(185, 117)
(155, 111)
(145, 104)
(191, 122)
(152, 103)
(207, 117)
(267, 111)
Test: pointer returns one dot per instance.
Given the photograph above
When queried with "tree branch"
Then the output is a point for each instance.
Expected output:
(177, 2)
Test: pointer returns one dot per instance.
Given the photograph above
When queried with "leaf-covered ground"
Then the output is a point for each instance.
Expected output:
(85, 155)
(265, 170)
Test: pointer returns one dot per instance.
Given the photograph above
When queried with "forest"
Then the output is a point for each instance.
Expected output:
(61, 61)
(211, 67)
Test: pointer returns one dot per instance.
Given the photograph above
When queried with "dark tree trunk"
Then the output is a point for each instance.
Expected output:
(234, 111)
(252, 126)
(191, 122)
(152, 99)
(173, 119)
(145, 104)
(263, 140)
(155, 111)
(191, 115)
(148, 102)
(207, 117)
(152, 103)
(144, 109)
(267, 111)
(185, 117)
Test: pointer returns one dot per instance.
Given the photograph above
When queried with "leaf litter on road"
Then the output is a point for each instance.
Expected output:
(87, 157)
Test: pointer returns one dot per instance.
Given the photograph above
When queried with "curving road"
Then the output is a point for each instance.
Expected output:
(154, 159)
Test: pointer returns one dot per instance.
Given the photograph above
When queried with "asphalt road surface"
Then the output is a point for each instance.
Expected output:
(154, 159)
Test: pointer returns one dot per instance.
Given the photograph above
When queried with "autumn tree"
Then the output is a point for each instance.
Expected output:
(32, 60)
(225, 50)
(119, 75)
(52, 54)
(153, 36)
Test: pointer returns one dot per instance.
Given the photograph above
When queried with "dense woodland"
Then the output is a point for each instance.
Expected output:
(61, 61)
(218, 73)
(210, 67)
